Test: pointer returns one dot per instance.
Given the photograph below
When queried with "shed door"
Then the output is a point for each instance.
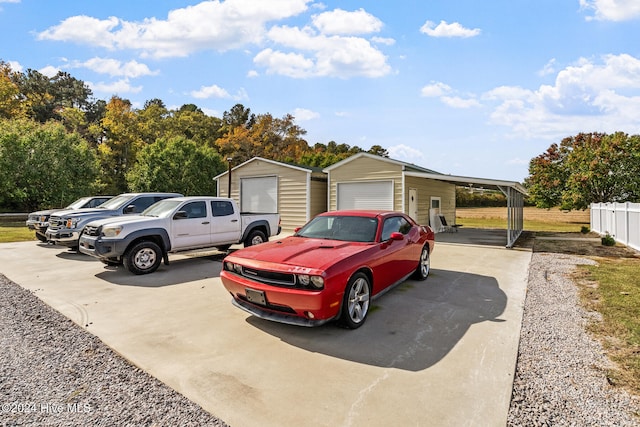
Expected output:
(259, 194)
(365, 195)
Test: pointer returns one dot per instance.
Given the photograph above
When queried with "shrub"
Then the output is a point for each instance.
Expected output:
(608, 240)
(584, 229)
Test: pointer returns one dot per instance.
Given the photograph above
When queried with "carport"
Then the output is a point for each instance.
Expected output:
(513, 191)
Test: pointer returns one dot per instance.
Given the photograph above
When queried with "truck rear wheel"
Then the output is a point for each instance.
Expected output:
(143, 258)
(255, 238)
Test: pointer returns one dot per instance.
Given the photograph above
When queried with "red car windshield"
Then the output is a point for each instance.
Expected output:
(345, 228)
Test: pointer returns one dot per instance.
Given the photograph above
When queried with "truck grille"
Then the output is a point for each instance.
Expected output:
(56, 222)
(270, 277)
(91, 230)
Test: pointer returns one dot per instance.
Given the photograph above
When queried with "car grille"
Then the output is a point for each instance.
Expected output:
(91, 230)
(270, 277)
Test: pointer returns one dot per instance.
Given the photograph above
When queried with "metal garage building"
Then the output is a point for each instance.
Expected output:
(366, 181)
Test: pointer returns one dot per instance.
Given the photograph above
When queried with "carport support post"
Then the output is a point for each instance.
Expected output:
(229, 159)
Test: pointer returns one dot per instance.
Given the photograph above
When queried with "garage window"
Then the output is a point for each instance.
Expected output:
(365, 195)
(259, 194)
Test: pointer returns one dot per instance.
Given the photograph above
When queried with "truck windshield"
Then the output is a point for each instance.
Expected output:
(161, 209)
(115, 203)
(78, 203)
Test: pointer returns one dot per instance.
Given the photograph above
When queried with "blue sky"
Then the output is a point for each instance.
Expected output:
(464, 87)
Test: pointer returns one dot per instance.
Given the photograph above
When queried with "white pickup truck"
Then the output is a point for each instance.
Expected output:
(173, 225)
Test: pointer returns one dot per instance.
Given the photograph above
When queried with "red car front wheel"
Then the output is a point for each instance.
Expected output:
(356, 301)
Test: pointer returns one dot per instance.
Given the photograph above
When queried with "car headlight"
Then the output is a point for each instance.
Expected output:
(235, 268)
(111, 231)
(71, 223)
(306, 280)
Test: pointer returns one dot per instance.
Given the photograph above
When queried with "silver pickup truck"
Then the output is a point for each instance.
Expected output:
(39, 221)
(66, 226)
(174, 225)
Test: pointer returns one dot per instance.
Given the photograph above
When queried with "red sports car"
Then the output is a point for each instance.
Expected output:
(329, 269)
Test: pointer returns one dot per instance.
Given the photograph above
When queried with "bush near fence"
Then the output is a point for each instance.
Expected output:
(620, 220)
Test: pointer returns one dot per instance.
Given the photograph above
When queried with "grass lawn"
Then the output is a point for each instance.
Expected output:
(553, 220)
(15, 231)
(612, 288)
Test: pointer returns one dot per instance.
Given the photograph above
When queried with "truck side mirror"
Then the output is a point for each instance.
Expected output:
(181, 215)
(130, 209)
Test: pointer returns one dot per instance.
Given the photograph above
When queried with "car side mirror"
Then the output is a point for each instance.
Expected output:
(130, 209)
(396, 236)
(181, 215)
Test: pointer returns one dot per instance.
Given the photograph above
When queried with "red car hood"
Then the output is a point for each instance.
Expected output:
(300, 252)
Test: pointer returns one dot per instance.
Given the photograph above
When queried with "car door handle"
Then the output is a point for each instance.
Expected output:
(234, 220)
(206, 222)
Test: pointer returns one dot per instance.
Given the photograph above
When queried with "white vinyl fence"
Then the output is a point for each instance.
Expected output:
(620, 220)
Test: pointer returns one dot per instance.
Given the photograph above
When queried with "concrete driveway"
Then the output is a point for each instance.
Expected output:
(435, 353)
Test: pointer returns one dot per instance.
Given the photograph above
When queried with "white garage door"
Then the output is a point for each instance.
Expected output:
(365, 195)
(259, 194)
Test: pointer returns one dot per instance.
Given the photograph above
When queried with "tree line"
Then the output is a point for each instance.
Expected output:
(58, 143)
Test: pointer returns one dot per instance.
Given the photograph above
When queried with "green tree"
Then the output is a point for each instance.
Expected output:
(43, 166)
(584, 169)
(122, 140)
(176, 165)
(46, 97)
(192, 123)
(11, 102)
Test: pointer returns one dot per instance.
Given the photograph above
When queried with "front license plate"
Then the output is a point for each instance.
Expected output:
(256, 297)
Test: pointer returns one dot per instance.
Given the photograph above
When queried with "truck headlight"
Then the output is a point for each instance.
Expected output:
(71, 223)
(111, 231)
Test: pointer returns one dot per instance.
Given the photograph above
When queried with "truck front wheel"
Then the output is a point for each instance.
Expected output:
(255, 238)
(143, 258)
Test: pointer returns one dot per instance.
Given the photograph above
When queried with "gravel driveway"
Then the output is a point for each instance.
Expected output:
(52, 372)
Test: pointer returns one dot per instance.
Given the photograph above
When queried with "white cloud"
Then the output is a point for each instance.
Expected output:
(303, 114)
(49, 70)
(448, 30)
(435, 89)
(330, 47)
(15, 66)
(405, 153)
(383, 40)
(115, 68)
(458, 102)
(213, 91)
(341, 22)
(334, 56)
(588, 96)
(612, 10)
(252, 74)
(549, 68)
(444, 92)
(209, 25)
(119, 87)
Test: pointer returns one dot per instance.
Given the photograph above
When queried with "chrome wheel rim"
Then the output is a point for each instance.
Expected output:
(358, 300)
(425, 263)
(145, 258)
(256, 240)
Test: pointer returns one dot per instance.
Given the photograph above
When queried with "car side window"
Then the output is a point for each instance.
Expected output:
(195, 209)
(394, 224)
(405, 226)
(221, 208)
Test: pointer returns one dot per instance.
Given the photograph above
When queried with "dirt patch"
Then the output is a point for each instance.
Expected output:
(579, 244)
